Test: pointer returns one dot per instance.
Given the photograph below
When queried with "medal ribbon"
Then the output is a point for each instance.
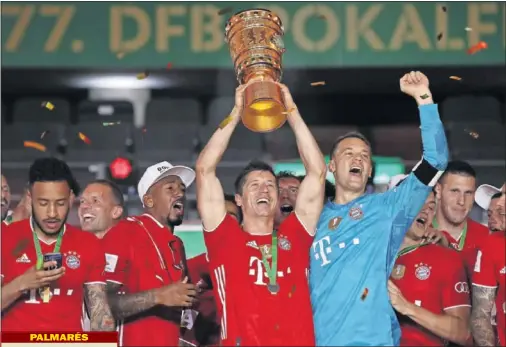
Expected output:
(272, 269)
(409, 249)
(462, 240)
(38, 250)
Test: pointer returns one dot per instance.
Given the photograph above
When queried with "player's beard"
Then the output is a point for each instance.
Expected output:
(39, 225)
(174, 222)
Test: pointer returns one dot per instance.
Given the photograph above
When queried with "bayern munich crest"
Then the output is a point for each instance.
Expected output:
(72, 260)
(422, 271)
(284, 244)
(356, 213)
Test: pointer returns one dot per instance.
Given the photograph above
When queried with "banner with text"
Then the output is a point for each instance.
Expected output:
(191, 34)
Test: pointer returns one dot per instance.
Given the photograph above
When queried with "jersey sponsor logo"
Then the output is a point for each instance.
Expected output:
(356, 213)
(398, 272)
(72, 260)
(422, 271)
(334, 223)
(23, 259)
(111, 260)
(503, 271)
(462, 287)
(284, 243)
(321, 249)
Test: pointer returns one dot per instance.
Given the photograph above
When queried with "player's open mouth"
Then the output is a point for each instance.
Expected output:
(286, 208)
(356, 170)
(421, 221)
(263, 201)
(87, 217)
(178, 206)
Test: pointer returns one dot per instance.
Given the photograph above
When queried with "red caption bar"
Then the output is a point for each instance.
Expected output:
(61, 337)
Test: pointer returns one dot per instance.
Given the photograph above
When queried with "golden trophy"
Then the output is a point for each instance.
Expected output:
(255, 41)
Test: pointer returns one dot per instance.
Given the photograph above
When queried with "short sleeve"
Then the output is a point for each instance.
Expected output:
(455, 290)
(117, 257)
(484, 275)
(293, 227)
(95, 268)
(222, 236)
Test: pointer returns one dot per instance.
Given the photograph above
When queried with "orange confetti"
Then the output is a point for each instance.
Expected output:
(142, 75)
(35, 145)
(477, 47)
(169, 66)
(84, 138)
(48, 105)
(456, 78)
(472, 133)
(364, 294)
(120, 55)
(44, 133)
(320, 83)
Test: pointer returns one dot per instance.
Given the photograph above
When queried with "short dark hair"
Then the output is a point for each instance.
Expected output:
(116, 191)
(255, 165)
(350, 135)
(51, 170)
(496, 195)
(289, 174)
(459, 167)
(230, 197)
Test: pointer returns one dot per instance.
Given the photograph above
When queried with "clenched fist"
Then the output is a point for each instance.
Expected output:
(415, 84)
(177, 294)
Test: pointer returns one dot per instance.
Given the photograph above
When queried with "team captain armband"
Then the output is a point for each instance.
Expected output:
(426, 173)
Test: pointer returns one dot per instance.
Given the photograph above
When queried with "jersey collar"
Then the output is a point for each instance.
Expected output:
(47, 243)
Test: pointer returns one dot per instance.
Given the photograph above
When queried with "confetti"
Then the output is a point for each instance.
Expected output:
(84, 138)
(443, 8)
(456, 78)
(314, 84)
(439, 36)
(424, 96)
(169, 66)
(364, 294)
(44, 133)
(48, 105)
(106, 124)
(289, 111)
(142, 75)
(35, 145)
(468, 29)
(477, 47)
(120, 55)
(472, 133)
(225, 10)
(226, 121)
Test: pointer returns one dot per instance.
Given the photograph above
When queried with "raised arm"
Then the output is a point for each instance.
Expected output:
(310, 197)
(210, 197)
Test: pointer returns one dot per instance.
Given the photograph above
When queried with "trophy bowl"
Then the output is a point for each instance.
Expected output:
(256, 46)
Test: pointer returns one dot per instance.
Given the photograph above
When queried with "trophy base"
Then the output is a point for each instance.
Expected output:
(263, 107)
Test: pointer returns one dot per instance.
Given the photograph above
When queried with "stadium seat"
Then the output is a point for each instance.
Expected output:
(476, 140)
(471, 108)
(404, 141)
(170, 131)
(107, 125)
(34, 122)
(244, 145)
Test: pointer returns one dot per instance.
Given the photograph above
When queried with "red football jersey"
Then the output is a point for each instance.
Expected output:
(206, 327)
(490, 271)
(431, 277)
(476, 235)
(142, 260)
(251, 315)
(84, 262)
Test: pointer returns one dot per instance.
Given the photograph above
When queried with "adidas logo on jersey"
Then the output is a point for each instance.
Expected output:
(23, 259)
(503, 271)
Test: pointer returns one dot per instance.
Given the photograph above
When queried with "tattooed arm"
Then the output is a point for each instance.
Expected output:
(95, 297)
(177, 294)
(481, 325)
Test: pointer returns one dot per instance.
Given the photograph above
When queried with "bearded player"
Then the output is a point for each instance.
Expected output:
(359, 234)
(489, 278)
(34, 297)
(147, 261)
(429, 288)
(259, 274)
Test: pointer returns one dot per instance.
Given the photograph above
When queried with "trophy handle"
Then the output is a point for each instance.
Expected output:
(264, 108)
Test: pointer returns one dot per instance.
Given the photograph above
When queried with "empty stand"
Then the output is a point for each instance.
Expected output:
(30, 121)
(476, 140)
(171, 131)
(107, 124)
